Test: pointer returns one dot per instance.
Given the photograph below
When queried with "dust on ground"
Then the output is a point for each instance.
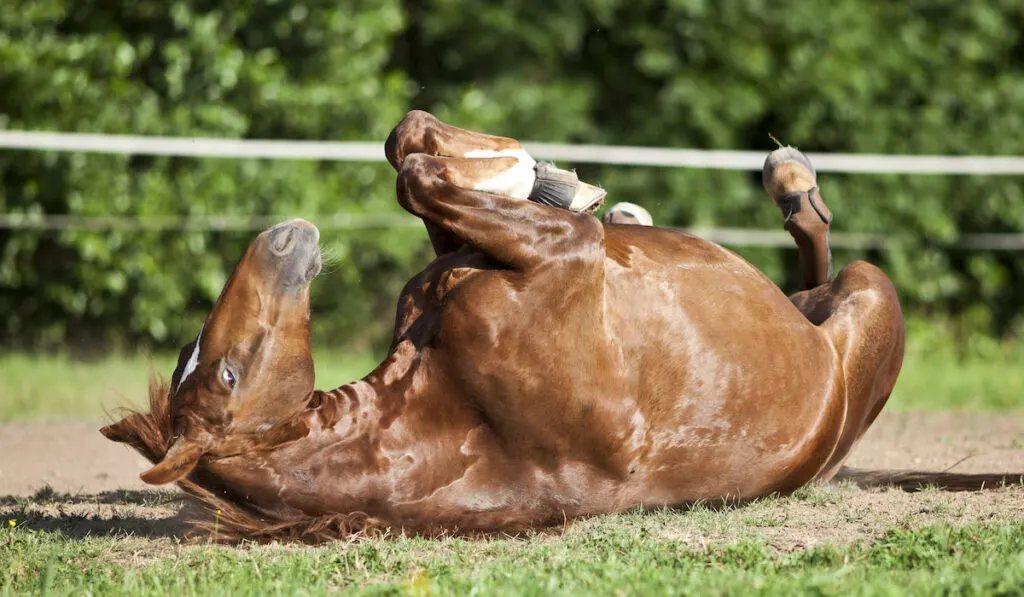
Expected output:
(68, 477)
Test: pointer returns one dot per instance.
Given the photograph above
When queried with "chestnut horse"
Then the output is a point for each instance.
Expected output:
(544, 366)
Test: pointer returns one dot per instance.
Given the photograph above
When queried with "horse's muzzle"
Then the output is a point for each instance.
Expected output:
(294, 246)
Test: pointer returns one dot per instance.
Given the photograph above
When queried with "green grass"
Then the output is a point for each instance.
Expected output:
(59, 388)
(603, 560)
(944, 372)
(946, 383)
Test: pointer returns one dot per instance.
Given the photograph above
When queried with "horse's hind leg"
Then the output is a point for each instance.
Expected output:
(859, 310)
(498, 165)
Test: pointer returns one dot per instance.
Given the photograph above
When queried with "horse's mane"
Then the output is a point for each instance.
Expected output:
(222, 516)
(227, 517)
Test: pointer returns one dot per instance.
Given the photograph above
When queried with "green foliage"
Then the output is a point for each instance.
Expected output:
(261, 69)
(930, 77)
(933, 77)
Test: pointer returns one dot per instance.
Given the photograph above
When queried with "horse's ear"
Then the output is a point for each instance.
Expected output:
(121, 431)
(179, 461)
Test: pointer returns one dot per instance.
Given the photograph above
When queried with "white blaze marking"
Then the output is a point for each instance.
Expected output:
(516, 182)
(193, 360)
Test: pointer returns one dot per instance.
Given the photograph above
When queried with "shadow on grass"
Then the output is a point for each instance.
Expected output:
(110, 513)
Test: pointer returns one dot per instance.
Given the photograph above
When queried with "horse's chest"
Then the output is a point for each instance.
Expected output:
(427, 301)
(474, 311)
(537, 372)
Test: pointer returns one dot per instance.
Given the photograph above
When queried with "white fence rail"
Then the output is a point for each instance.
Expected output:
(735, 237)
(581, 154)
(584, 154)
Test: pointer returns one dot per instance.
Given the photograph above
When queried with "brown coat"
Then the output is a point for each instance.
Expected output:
(544, 366)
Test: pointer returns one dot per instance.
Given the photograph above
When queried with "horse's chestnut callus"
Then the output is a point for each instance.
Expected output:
(666, 369)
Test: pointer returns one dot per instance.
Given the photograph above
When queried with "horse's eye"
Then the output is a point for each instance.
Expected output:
(227, 377)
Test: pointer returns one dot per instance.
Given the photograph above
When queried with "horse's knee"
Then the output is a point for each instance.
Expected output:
(413, 134)
(417, 176)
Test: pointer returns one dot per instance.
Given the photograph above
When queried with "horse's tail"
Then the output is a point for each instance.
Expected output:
(918, 480)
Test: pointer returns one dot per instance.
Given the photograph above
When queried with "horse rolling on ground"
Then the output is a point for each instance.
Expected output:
(546, 365)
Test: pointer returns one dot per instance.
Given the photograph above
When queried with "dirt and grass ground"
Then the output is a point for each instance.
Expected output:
(77, 520)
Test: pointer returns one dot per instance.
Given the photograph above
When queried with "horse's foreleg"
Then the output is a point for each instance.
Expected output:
(422, 132)
(514, 232)
(512, 172)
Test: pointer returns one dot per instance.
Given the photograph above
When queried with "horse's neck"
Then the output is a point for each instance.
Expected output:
(378, 445)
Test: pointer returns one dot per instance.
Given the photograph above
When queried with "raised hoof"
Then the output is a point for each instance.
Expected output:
(588, 198)
(628, 213)
(790, 179)
(786, 170)
(562, 188)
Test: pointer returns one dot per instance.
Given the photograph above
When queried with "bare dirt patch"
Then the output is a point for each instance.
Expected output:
(837, 515)
(959, 441)
(68, 457)
(66, 476)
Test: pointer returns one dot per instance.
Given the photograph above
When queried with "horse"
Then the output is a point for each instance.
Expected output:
(546, 365)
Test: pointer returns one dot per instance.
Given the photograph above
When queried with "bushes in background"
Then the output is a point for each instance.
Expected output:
(935, 77)
(228, 69)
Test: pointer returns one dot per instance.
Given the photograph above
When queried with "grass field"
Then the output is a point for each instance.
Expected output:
(730, 551)
(977, 560)
(830, 540)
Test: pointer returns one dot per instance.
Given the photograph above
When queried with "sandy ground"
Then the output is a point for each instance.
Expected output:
(94, 485)
(75, 458)
(69, 457)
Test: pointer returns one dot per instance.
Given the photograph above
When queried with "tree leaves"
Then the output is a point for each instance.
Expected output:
(261, 69)
(931, 77)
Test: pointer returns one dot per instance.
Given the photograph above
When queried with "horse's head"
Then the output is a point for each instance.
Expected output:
(250, 366)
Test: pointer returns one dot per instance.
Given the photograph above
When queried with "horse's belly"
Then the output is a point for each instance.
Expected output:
(683, 382)
(734, 392)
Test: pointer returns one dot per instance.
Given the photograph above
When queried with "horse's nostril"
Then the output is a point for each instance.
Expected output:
(283, 241)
